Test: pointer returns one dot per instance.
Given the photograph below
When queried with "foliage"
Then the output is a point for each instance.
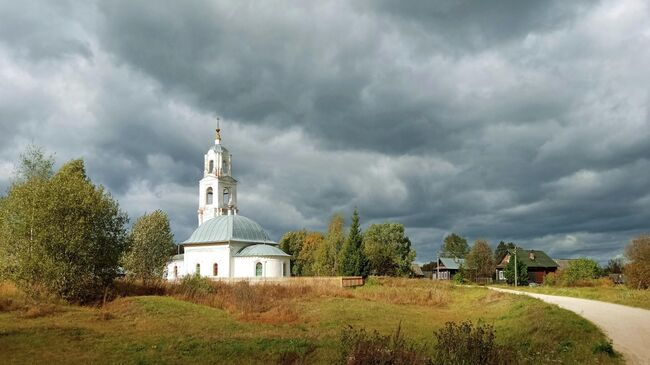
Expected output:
(461, 275)
(150, 242)
(388, 249)
(454, 246)
(580, 269)
(502, 250)
(614, 266)
(327, 256)
(430, 266)
(353, 261)
(605, 347)
(522, 272)
(60, 235)
(480, 259)
(307, 256)
(292, 243)
(466, 344)
(360, 347)
(550, 279)
(34, 164)
(637, 271)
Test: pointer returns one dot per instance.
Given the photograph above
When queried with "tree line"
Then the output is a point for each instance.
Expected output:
(62, 235)
(383, 249)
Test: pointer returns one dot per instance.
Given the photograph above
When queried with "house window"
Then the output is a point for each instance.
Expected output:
(198, 269)
(226, 196)
(211, 166)
(175, 271)
(258, 269)
(215, 269)
(208, 196)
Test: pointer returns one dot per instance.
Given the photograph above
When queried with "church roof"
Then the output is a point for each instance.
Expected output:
(228, 228)
(261, 250)
(219, 148)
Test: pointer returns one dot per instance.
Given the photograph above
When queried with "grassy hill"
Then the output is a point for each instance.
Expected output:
(252, 324)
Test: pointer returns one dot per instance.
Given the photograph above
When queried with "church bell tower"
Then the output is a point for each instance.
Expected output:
(217, 188)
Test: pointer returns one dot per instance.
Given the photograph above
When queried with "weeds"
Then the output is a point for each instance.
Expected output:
(605, 347)
(360, 347)
(457, 344)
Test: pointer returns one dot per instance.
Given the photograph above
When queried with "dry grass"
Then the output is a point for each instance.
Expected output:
(272, 323)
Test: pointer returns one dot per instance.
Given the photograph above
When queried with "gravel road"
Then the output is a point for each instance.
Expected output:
(627, 327)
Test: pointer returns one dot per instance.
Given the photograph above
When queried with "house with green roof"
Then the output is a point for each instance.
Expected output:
(448, 267)
(538, 264)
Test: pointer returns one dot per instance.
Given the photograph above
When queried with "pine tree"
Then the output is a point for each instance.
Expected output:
(352, 261)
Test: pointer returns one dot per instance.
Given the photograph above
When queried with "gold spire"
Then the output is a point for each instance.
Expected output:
(218, 135)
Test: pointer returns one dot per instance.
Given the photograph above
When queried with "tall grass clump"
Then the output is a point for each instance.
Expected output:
(360, 347)
(455, 344)
(466, 344)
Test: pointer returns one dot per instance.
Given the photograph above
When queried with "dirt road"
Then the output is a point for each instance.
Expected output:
(627, 327)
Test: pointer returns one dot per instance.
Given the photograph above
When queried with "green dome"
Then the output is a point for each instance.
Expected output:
(261, 250)
(229, 228)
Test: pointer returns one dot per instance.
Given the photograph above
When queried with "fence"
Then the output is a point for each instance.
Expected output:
(331, 281)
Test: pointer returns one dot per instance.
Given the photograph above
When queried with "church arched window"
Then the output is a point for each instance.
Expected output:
(211, 166)
(224, 166)
(215, 269)
(198, 269)
(175, 271)
(226, 196)
(208, 196)
(258, 269)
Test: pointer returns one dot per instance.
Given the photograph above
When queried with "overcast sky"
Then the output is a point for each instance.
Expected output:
(504, 120)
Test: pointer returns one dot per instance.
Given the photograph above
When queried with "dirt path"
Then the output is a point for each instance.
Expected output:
(628, 327)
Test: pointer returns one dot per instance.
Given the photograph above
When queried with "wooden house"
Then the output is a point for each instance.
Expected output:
(447, 268)
(538, 264)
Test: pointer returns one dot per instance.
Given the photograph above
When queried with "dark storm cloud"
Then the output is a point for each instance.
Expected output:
(522, 121)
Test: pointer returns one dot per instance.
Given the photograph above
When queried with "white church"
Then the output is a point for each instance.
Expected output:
(226, 244)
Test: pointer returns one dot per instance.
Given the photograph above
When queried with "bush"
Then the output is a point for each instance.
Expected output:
(637, 272)
(360, 347)
(456, 344)
(550, 279)
(582, 269)
(465, 344)
(193, 286)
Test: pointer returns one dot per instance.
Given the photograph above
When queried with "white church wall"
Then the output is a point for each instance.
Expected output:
(206, 257)
(178, 273)
(272, 266)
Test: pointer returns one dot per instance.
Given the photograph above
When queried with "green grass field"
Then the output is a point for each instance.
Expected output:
(301, 328)
(613, 294)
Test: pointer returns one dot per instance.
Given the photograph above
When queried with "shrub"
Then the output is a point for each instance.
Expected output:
(360, 347)
(550, 279)
(581, 270)
(465, 344)
(637, 272)
(193, 286)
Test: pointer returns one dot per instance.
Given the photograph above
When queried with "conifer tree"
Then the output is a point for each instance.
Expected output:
(353, 260)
